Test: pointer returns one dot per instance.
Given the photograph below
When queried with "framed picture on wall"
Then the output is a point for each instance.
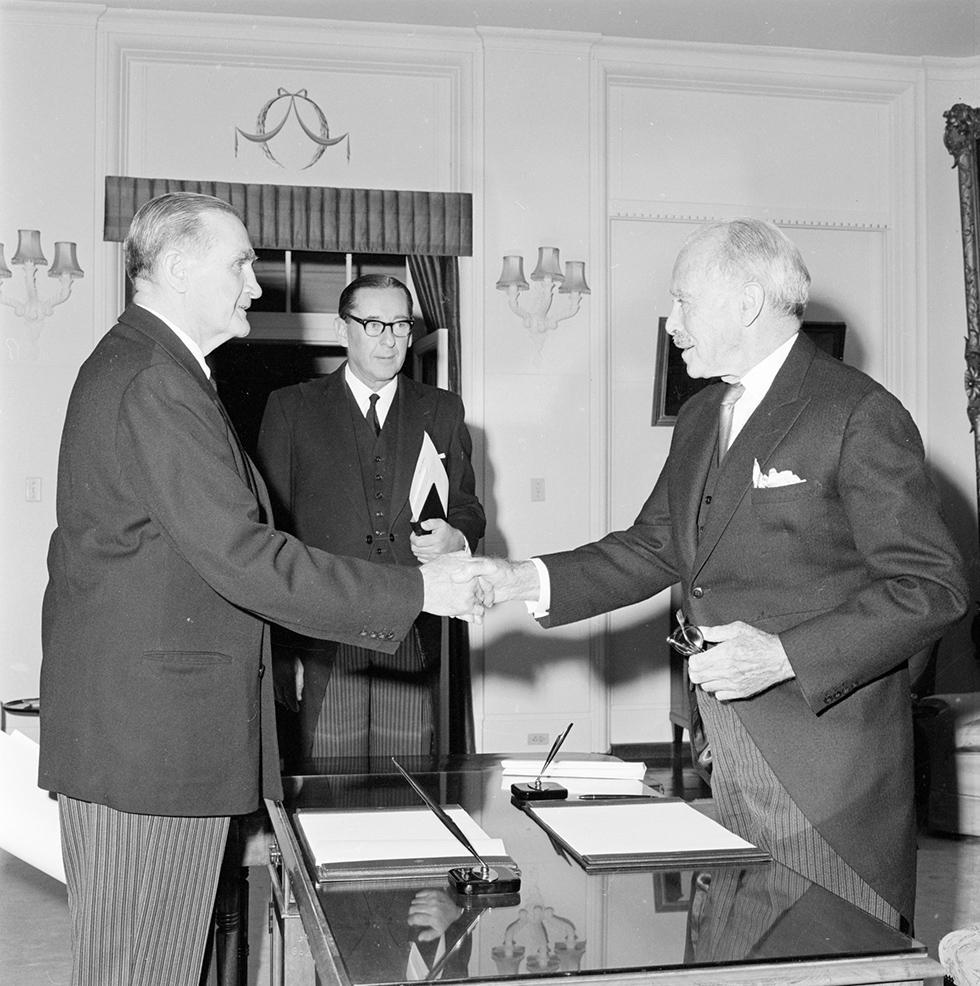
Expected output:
(672, 386)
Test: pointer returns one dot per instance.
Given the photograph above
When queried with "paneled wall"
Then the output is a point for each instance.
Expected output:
(609, 151)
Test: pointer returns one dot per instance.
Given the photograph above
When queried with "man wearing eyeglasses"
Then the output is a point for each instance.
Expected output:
(797, 515)
(339, 454)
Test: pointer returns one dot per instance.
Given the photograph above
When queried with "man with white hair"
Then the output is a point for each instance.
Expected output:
(796, 512)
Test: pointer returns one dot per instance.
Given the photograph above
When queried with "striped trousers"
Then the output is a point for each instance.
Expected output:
(140, 893)
(378, 704)
(754, 804)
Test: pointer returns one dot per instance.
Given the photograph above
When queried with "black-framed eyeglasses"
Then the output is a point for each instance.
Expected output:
(375, 327)
(687, 640)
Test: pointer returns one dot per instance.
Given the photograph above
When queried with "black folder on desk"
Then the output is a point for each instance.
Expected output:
(390, 843)
(636, 835)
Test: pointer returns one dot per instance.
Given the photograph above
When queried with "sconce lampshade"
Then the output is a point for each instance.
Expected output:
(512, 273)
(28, 248)
(548, 265)
(574, 278)
(65, 261)
(4, 269)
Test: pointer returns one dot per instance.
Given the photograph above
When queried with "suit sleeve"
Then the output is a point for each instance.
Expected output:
(465, 511)
(178, 456)
(274, 458)
(915, 585)
(622, 568)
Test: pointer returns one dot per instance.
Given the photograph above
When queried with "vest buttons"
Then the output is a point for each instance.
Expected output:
(391, 537)
(379, 477)
(697, 592)
(379, 495)
(707, 499)
(369, 539)
(377, 458)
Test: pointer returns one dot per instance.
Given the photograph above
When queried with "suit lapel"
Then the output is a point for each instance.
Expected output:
(332, 406)
(758, 439)
(413, 414)
(148, 324)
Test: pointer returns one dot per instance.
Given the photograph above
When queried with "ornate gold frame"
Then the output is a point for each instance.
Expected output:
(961, 140)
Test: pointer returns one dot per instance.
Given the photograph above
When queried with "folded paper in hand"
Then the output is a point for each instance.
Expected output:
(429, 492)
(768, 480)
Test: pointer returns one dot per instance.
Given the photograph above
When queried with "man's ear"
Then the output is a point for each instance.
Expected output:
(751, 302)
(174, 271)
(340, 327)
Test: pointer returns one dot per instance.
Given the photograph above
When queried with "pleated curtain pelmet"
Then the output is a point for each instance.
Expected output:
(310, 217)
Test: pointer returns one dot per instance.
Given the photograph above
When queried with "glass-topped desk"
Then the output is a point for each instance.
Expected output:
(757, 923)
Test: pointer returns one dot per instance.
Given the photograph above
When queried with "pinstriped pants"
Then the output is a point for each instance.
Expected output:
(140, 893)
(377, 704)
(755, 805)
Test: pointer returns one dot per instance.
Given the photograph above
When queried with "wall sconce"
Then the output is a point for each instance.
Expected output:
(29, 256)
(549, 279)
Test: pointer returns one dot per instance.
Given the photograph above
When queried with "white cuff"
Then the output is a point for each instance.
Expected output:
(542, 605)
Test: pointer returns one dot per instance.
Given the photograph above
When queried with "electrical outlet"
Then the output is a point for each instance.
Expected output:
(32, 489)
(537, 489)
(537, 739)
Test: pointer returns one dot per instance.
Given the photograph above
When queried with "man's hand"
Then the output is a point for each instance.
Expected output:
(433, 910)
(511, 580)
(744, 662)
(441, 539)
(452, 586)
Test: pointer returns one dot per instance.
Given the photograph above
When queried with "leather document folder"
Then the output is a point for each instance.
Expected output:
(633, 835)
(390, 843)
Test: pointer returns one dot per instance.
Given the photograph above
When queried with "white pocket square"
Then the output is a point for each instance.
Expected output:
(767, 480)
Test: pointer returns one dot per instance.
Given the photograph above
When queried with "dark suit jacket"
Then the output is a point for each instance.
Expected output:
(163, 573)
(307, 451)
(854, 569)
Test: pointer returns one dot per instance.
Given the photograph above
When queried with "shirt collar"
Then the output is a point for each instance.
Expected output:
(758, 380)
(362, 393)
(192, 346)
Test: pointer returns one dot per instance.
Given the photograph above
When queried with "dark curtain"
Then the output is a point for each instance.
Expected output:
(436, 281)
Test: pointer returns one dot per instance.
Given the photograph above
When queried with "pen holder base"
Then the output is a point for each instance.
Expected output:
(501, 881)
(539, 791)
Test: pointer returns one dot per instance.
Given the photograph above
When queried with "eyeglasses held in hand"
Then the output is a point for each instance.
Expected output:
(687, 640)
(374, 327)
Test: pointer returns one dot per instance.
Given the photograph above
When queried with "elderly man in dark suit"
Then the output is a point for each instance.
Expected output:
(339, 454)
(164, 573)
(796, 512)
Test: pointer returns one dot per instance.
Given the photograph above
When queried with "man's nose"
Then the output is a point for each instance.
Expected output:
(673, 323)
(252, 285)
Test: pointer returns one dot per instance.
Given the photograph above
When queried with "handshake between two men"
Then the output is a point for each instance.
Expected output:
(459, 585)
(744, 662)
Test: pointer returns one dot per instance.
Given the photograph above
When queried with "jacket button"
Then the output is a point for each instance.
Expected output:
(697, 592)
(261, 670)
(369, 539)
(391, 537)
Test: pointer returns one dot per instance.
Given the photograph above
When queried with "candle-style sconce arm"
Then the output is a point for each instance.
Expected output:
(35, 308)
(546, 281)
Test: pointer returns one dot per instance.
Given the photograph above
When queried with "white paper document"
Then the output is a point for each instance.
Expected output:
(429, 473)
(390, 839)
(621, 769)
(637, 834)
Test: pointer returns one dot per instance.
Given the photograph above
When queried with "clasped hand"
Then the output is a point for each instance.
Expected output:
(744, 662)
(452, 586)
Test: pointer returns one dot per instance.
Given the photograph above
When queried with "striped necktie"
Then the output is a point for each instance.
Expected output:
(725, 412)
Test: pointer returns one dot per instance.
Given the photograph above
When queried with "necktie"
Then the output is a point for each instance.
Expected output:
(372, 414)
(725, 411)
